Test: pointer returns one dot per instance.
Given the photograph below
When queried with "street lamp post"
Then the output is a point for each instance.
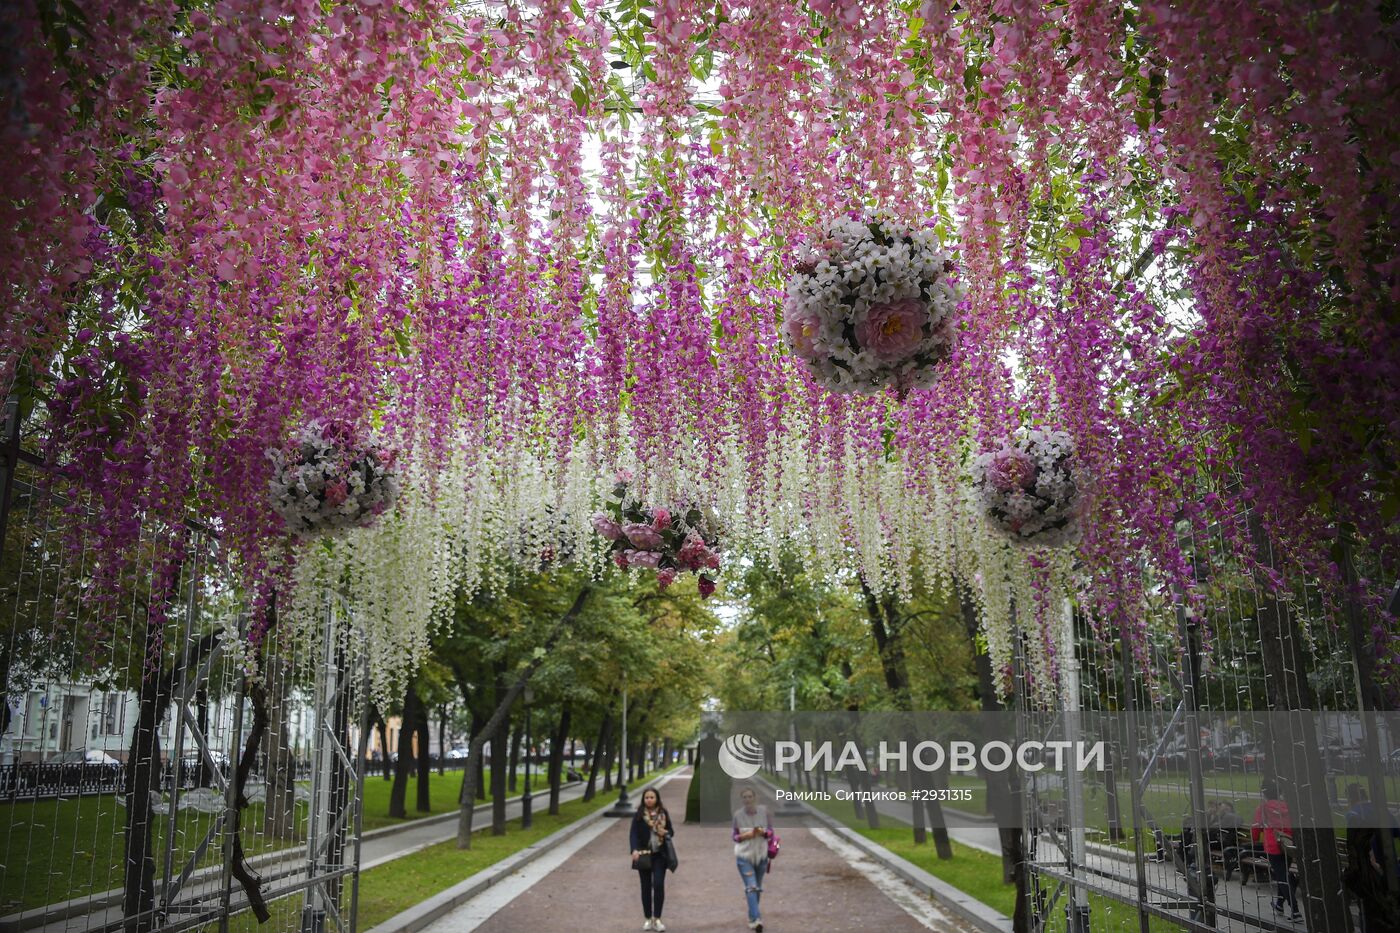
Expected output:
(623, 807)
(527, 818)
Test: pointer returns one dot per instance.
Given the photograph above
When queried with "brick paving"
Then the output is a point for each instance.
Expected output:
(596, 891)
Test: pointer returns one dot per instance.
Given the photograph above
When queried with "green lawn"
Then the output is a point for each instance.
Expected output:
(396, 886)
(975, 872)
(54, 850)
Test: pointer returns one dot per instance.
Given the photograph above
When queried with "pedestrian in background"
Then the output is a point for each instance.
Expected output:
(651, 831)
(752, 827)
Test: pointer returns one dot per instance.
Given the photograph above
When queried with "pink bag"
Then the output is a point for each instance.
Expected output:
(773, 844)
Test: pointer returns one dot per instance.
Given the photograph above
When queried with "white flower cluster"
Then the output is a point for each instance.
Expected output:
(328, 480)
(1032, 488)
(870, 306)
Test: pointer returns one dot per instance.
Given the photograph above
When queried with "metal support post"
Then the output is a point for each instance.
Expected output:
(1077, 904)
(623, 807)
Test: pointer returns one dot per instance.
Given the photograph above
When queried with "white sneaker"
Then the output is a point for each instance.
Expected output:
(657, 924)
(649, 925)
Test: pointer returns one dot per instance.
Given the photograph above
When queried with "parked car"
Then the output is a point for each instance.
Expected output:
(86, 756)
(458, 752)
(1239, 756)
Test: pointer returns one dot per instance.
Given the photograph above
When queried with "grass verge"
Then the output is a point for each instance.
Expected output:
(56, 850)
(396, 886)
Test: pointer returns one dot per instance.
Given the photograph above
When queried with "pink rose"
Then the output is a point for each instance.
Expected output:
(337, 492)
(605, 526)
(801, 331)
(1010, 470)
(693, 553)
(660, 519)
(642, 537)
(706, 587)
(625, 476)
(648, 559)
(665, 577)
(894, 330)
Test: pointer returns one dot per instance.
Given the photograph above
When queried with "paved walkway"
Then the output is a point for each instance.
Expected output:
(819, 883)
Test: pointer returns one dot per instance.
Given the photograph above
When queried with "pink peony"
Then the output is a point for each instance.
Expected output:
(660, 519)
(648, 559)
(894, 330)
(706, 587)
(337, 492)
(605, 526)
(1010, 470)
(801, 331)
(665, 577)
(642, 537)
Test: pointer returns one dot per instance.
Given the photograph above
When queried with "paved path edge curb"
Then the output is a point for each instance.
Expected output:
(967, 907)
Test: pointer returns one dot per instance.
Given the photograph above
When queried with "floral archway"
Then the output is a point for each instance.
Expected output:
(527, 244)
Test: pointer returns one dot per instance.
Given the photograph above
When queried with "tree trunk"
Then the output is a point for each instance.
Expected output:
(142, 779)
(425, 766)
(203, 778)
(609, 757)
(1003, 790)
(499, 758)
(596, 759)
(556, 756)
(511, 782)
(279, 778)
(442, 740)
(398, 794)
(476, 762)
(466, 812)
(383, 742)
(143, 773)
(927, 810)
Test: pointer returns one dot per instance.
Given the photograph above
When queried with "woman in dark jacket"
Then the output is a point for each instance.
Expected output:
(651, 827)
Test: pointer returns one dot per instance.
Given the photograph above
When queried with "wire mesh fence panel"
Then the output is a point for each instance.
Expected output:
(1250, 781)
(158, 770)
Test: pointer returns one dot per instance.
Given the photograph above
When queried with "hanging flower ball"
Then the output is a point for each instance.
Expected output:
(669, 541)
(328, 479)
(871, 306)
(1031, 489)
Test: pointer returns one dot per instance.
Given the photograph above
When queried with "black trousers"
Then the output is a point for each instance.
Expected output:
(653, 888)
(1284, 885)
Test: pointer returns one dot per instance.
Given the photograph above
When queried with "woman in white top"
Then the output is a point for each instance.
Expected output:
(752, 827)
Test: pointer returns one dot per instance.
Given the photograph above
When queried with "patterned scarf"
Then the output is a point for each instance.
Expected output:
(656, 820)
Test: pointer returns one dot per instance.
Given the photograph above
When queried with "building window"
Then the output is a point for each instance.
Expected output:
(34, 715)
(113, 714)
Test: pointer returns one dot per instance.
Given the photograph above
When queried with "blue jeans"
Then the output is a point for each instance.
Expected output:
(753, 883)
